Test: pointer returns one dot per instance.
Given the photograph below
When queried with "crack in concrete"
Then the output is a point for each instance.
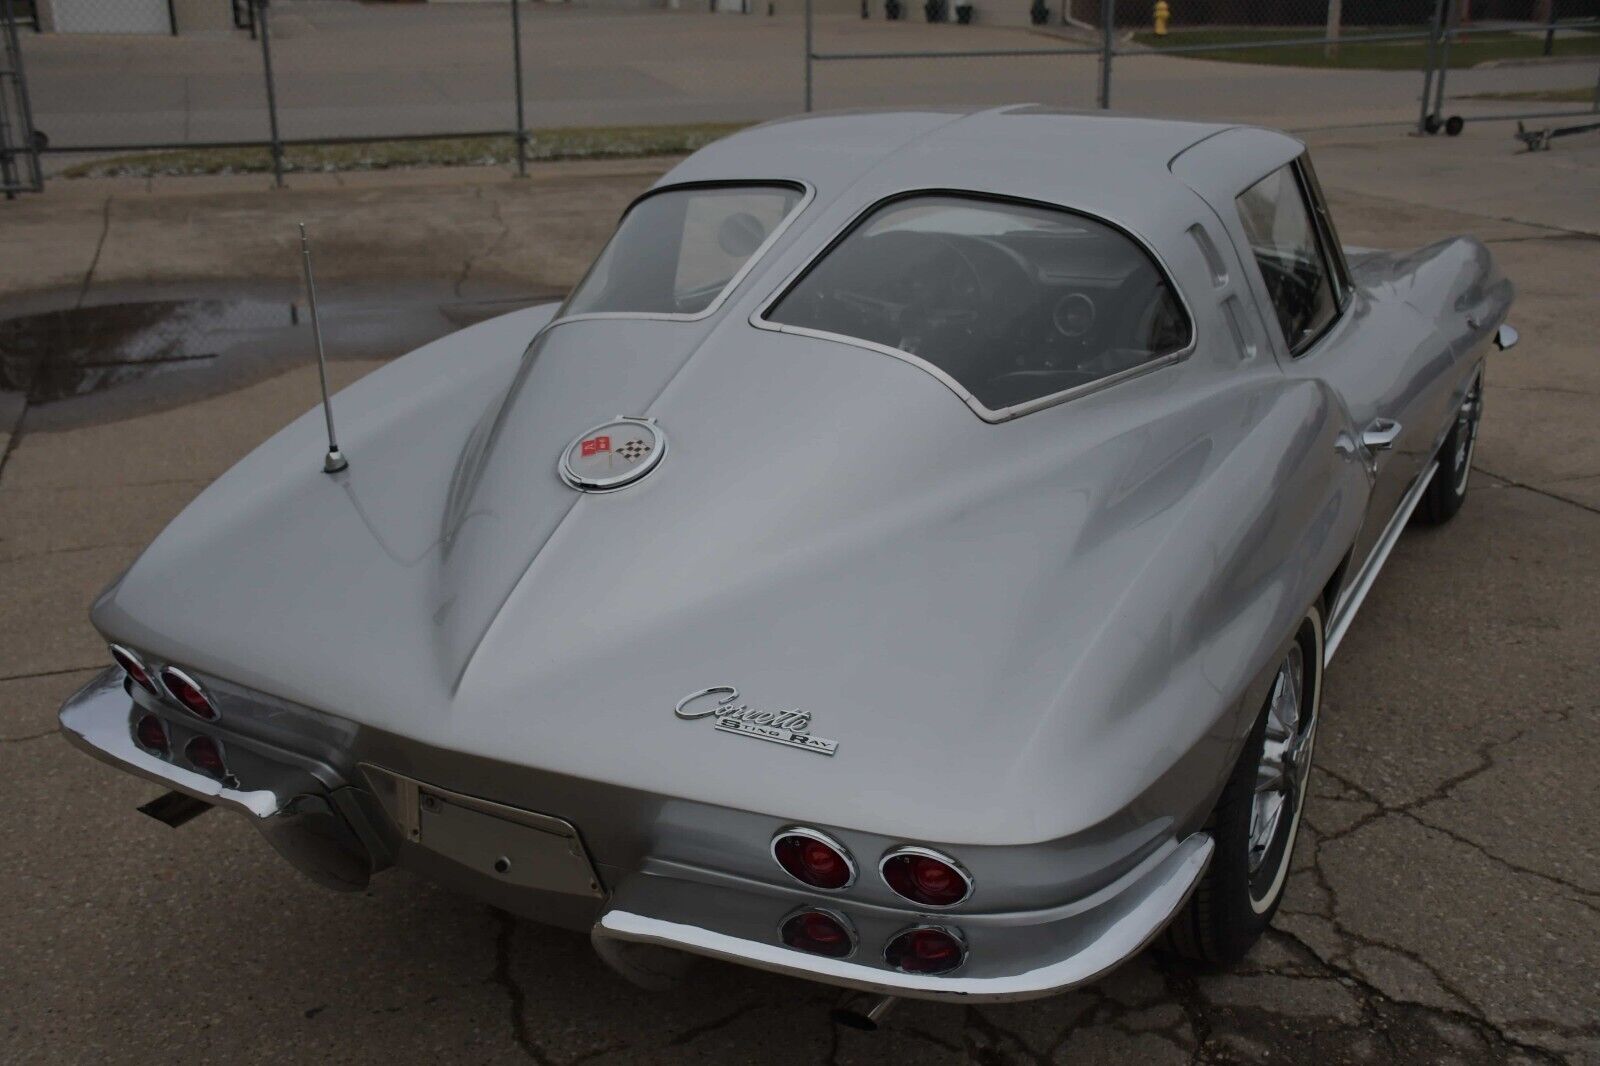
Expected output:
(1537, 490)
(1559, 235)
(1374, 999)
(519, 999)
(53, 673)
(494, 245)
(695, 1032)
(25, 556)
(1545, 388)
(1496, 1037)
(100, 245)
(27, 737)
(989, 1050)
(1590, 898)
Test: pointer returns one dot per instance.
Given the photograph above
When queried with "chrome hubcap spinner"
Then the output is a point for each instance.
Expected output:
(1285, 759)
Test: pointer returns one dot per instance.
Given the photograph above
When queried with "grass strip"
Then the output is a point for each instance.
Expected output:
(1468, 50)
(577, 142)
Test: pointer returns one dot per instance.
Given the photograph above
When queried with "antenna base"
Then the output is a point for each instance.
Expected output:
(334, 462)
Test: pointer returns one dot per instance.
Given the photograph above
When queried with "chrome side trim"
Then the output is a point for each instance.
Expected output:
(759, 318)
(1156, 900)
(1350, 600)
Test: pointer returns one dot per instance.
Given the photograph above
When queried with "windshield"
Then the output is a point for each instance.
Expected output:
(676, 251)
(1015, 302)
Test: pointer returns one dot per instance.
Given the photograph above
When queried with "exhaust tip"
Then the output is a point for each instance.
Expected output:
(863, 1012)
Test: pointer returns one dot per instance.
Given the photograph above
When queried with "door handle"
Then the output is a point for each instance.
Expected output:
(1380, 434)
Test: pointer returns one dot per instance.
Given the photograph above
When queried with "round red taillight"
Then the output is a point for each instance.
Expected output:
(926, 878)
(134, 668)
(818, 932)
(926, 949)
(813, 859)
(152, 735)
(187, 691)
(205, 755)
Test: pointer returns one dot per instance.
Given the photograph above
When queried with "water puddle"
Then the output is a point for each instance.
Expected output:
(157, 346)
(52, 355)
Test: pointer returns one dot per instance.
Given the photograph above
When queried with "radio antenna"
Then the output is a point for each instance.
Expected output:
(335, 460)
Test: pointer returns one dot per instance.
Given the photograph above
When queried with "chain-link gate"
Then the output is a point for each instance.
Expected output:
(19, 141)
(1544, 64)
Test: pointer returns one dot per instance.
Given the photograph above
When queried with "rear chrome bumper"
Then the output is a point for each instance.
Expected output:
(314, 818)
(1011, 956)
(339, 821)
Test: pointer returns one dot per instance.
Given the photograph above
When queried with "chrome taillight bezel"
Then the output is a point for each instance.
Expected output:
(950, 931)
(843, 922)
(170, 672)
(123, 657)
(820, 837)
(918, 851)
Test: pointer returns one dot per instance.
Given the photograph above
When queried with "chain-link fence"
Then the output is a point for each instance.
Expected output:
(1525, 61)
(19, 145)
(516, 79)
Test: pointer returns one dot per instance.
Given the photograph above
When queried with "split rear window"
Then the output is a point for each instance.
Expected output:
(1015, 302)
(678, 250)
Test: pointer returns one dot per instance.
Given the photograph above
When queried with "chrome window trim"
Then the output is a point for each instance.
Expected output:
(808, 193)
(216, 712)
(1342, 296)
(759, 318)
(844, 923)
(949, 931)
(823, 838)
(929, 853)
(1332, 250)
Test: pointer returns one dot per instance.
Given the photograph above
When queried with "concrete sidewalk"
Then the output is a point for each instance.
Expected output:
(1446, 900)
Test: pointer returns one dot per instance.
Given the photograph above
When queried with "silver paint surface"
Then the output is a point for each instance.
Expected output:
(1038, 644)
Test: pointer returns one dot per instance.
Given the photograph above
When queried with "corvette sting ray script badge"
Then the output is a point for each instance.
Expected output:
(722, 702)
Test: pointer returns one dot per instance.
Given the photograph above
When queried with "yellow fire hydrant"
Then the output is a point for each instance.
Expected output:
(1163, 14)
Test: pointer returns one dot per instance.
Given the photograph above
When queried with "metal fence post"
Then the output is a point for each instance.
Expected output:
(1452, 16)
(1108, 29)
(1435, 27)
(516, 58)
(272, 92)
(809, 51)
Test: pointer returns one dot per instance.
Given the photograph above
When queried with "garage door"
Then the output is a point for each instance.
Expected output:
(111, 16)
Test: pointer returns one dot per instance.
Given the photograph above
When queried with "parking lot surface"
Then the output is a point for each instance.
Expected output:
(1445, 905)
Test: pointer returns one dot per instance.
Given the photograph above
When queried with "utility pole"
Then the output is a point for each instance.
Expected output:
(1335, 17)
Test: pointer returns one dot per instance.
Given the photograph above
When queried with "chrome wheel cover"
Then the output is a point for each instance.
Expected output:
(1281, 777)
(1466, 435)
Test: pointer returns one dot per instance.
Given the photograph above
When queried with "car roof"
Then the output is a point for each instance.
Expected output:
(1092, 161)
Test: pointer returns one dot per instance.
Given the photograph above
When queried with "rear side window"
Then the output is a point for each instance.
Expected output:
(1285, 243)
(676, 251)
(1015, 302)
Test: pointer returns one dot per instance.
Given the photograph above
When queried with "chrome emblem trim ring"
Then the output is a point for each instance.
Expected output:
(613, 454)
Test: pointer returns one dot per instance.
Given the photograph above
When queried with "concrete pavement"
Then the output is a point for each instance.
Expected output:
(1445, 905)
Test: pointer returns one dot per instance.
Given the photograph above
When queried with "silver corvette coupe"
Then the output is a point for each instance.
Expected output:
(907, 560)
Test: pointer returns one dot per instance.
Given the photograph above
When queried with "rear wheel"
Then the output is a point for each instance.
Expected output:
(1257, 819)
(1448, 490)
